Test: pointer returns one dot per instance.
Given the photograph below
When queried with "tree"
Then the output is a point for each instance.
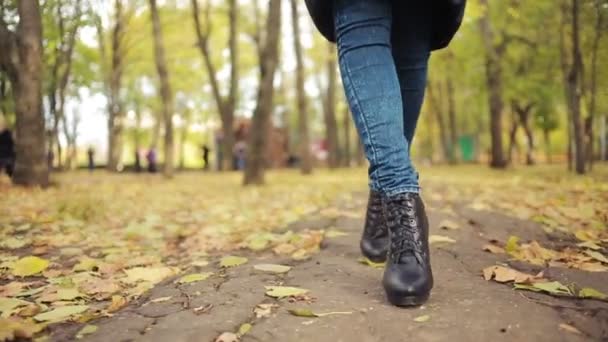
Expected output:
(165, 89)
(21, 60)
(302, 105)
(255, 165)
(329, 111)
(573, 73)
(493, 53)
(226, 105)
(113, 76)
(61, 70)
(597, 37)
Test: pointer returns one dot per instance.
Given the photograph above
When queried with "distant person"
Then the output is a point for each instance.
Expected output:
(7, 150)
(206, 152)
(91, 158)
(138, 167)
(151, 158)
(239, 154)
(383, 51)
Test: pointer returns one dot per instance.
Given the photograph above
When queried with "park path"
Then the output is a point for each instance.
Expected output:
(463, 306)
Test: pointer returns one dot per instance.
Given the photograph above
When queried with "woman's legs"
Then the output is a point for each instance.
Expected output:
(411, 38)
(371, 83)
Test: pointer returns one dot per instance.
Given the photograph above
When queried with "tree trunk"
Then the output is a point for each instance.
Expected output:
(21, 58)
(346, 125)
(115, 105)
(593, 86)
(452, 120)
(331, 126)
(165, 89)
(436, 109)
(547, 138)
(513, 138)
(574, 92)
(304, 141)
(225, 105)
(494, 87)
(258, 136)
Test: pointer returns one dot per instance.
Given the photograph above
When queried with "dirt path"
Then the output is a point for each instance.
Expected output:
(463, 306)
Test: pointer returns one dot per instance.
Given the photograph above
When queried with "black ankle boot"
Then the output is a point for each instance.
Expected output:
(374, 242)
(408, 278)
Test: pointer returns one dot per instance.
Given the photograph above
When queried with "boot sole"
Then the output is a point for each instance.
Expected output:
(407, 301)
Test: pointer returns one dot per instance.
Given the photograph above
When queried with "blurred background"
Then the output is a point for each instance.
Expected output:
(184, 84)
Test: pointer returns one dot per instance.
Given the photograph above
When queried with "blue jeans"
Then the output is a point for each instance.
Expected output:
(383, 63)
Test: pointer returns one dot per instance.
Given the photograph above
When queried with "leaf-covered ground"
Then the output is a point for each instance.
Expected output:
(89, 246)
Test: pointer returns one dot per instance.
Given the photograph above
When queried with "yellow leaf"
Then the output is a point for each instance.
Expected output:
(597, 256)
(422, 319)
(588, 292)
(117, 303)
(302, 312)
(191, 278)
(244, 328)
(512, 245)
(61, 313)
(86, 330)
(29, 265)
(284, 291)
(232, 261)
(368, 262)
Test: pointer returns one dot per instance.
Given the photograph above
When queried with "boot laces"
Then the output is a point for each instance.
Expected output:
(405, 234)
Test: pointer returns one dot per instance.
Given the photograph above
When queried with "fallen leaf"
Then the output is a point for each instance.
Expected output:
(512, 245)
(161, 299)
(86, 330)
(368, 262)
(14, 329)
(589, 244)
(597, 256)
(302, 312)
(554, 288)
(334, 233)
(449, 225)
(422, 319)
(244, 328)
(433, 239)
(588, 292)
(493, 249)
(569, 328)
(8, 306)
(117, 303)
(232, 261)
(61, 313)
(272, 268)
(284, 291)
(264, 310)
(502, 274)
(194, 277)
(29, 265)
(200, 263)
(151, 274)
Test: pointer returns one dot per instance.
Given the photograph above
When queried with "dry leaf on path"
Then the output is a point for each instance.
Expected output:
(435, 239)
(502, 274)
(422, 319)
(284, 291)
(272, 268)
(569, 328)
(232, 261)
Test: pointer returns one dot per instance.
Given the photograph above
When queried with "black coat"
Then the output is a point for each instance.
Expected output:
(7, 145)
(448, 18)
